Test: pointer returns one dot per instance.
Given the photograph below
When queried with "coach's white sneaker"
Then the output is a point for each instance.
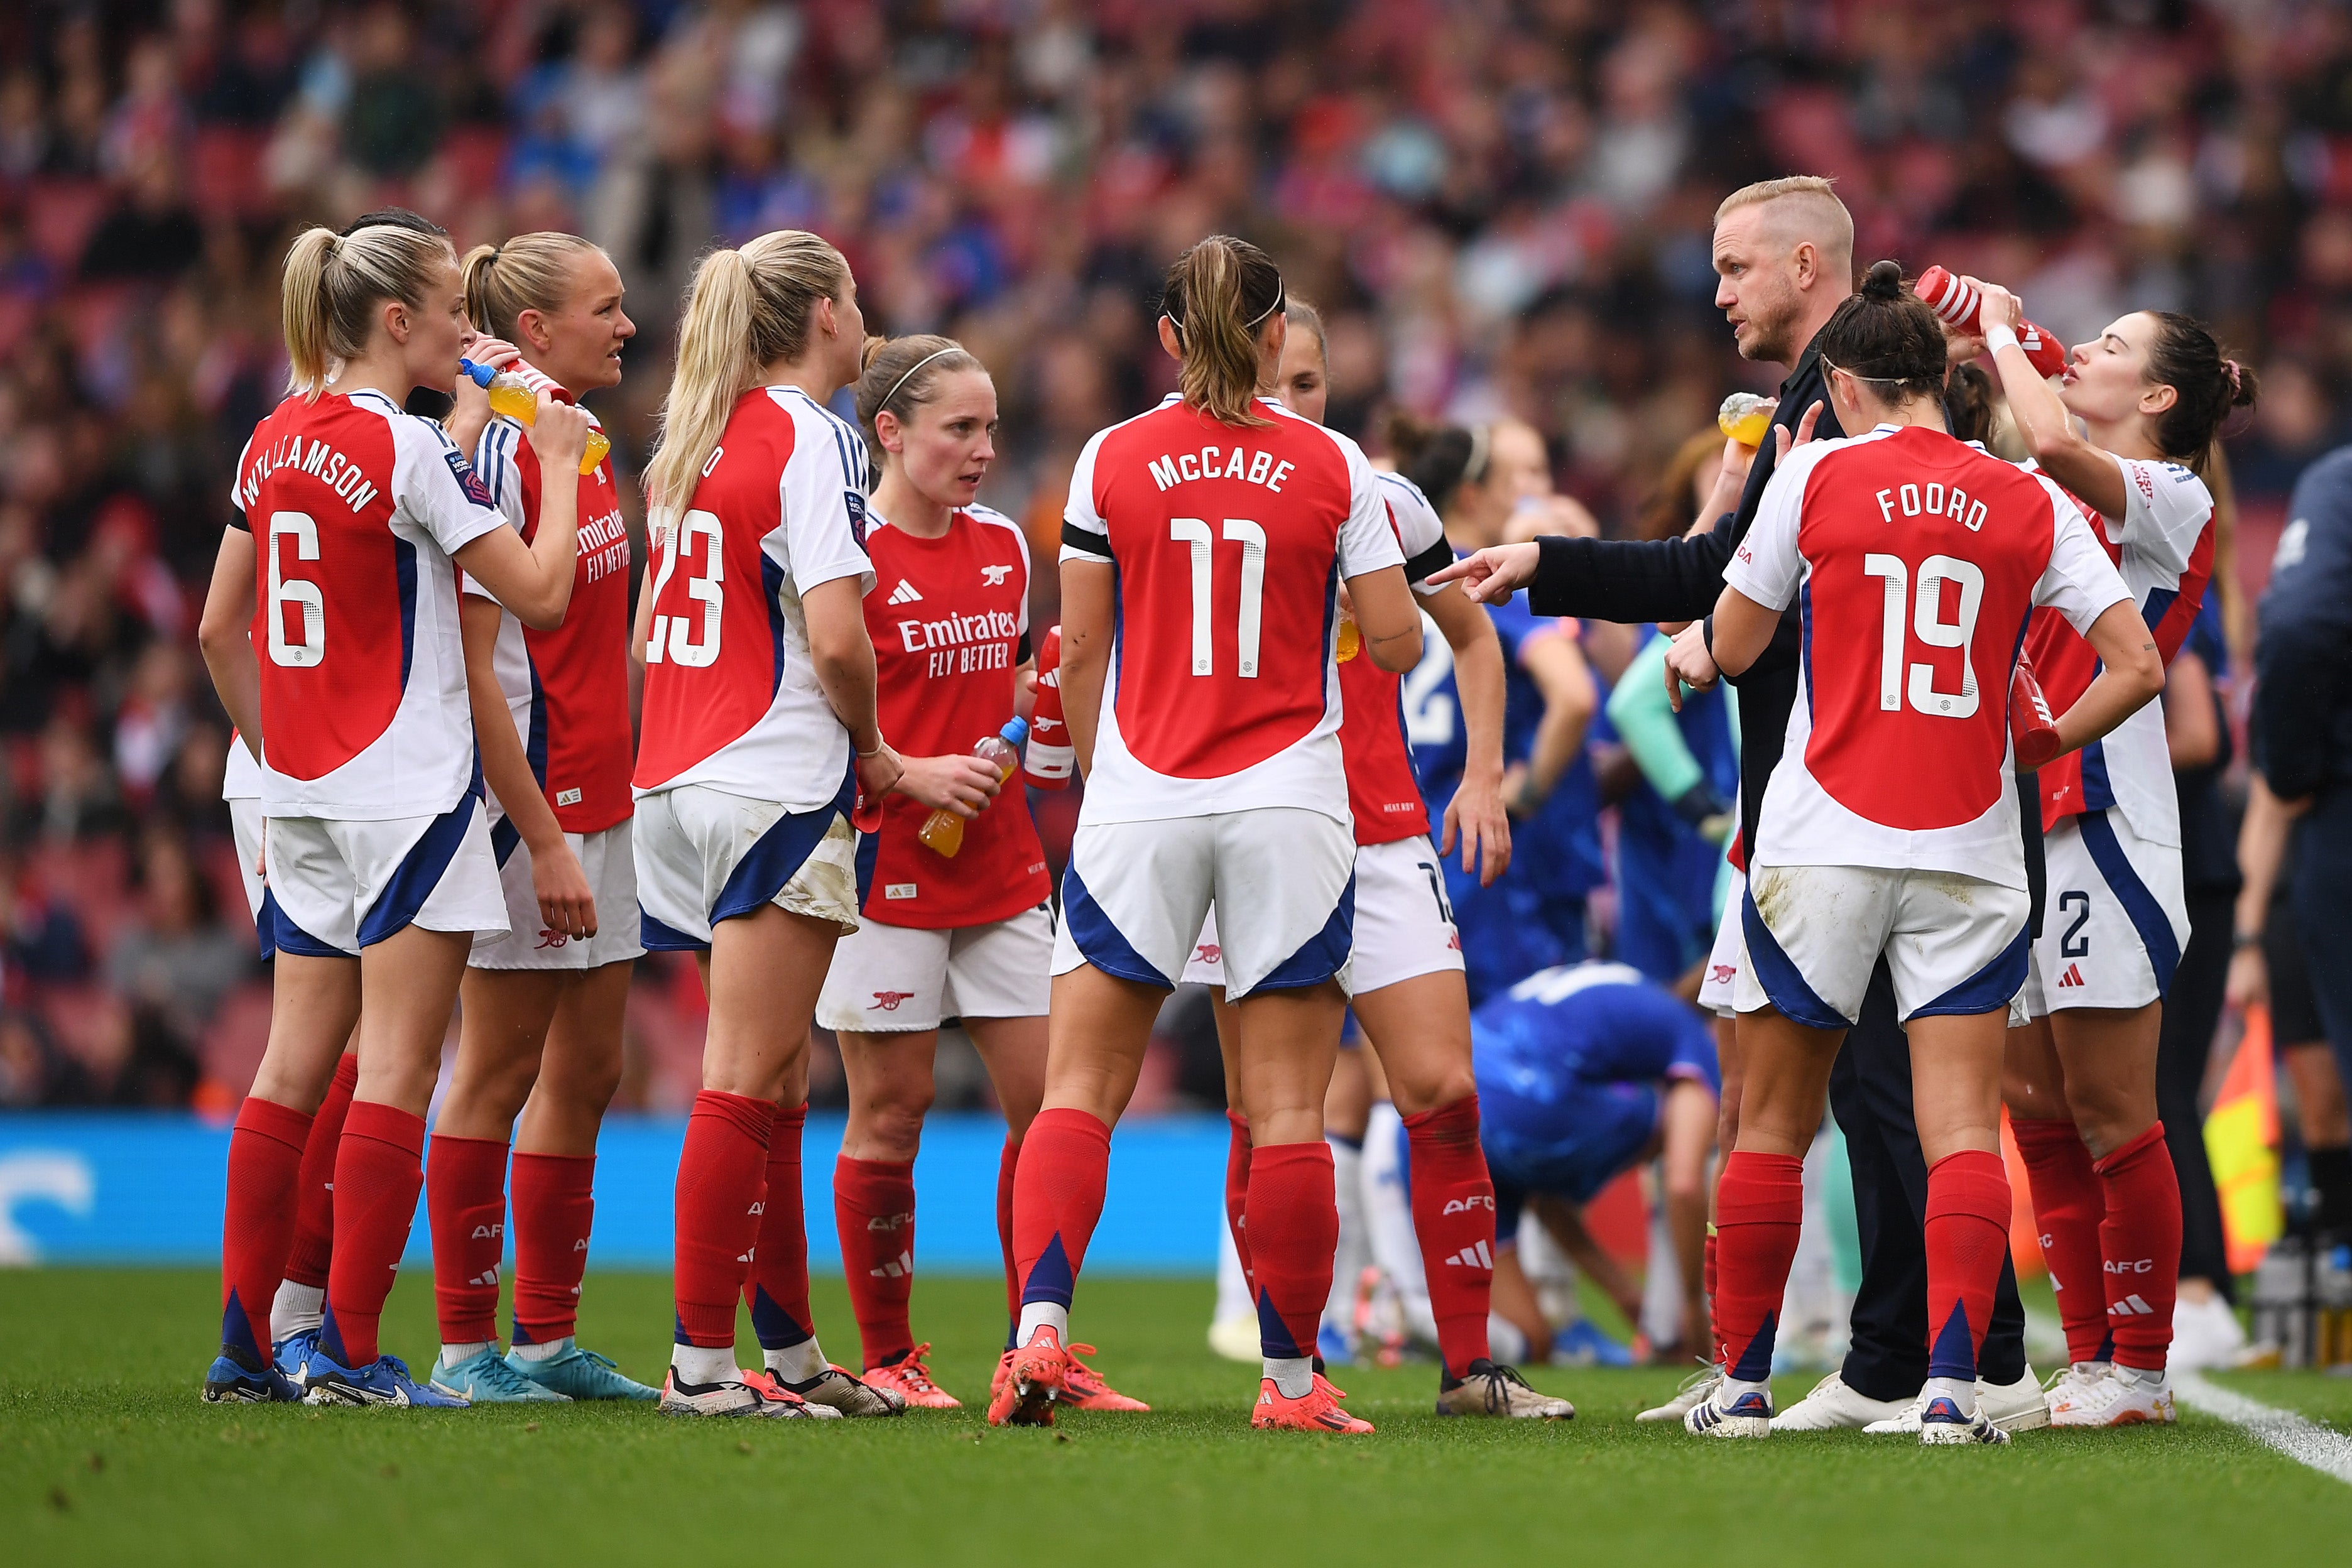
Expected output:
(2206, 1334)
(1733, 1409)
(1693, 1391)
(1831, 1406)
(2013, 1407)
(2123, 1397)
(2071, 1384)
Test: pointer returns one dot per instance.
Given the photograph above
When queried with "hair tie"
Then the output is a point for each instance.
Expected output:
(952, 348)
(1280, 300)
(2231, 367)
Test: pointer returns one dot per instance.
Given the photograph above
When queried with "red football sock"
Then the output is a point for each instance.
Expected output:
(1237, 1165)
(314, 1214)
(1760, 1207)
(874, 1208)
(2140, 1241)
(1057, 1197)
(1968, 1240)
(1294, 1233)
(466, 1195)
(264, 1166)
(777, 1289)
(554, 1207)
(1454, 1216)
(1707, 1274)
(378, 1170)
(1007, 1164)
(720, 1177)
(2067, 1209)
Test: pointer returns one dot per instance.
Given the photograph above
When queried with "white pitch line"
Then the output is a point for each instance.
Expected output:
(2300, 1439)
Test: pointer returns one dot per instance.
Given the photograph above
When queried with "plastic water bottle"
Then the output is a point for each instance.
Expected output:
(1744, 417)
(1961, 305)
(942, 831)
(511, 395)
(1351, 640)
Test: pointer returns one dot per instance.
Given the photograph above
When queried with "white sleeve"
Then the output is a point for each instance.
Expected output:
(1767, 566)
(1080, 517)
(2080, 583)
(1366, 541)
(823, 507)
(1420, 533)
(442, 492)
(496, 459)
(2165, 508)
(236, 484)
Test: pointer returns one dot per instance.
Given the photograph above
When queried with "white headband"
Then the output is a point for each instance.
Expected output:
(950, 349)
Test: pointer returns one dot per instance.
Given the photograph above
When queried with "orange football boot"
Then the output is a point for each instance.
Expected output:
(910, 1380)
(1318, 1412)
(1035, 1375)
(1086, 1389)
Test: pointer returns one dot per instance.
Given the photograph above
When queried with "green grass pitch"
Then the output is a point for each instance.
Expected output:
(106, 1456)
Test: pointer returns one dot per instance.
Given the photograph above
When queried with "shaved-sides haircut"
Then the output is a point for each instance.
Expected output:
(1807, 207)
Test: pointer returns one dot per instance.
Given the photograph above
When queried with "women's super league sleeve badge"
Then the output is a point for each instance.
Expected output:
(856, 503)
(468, 480)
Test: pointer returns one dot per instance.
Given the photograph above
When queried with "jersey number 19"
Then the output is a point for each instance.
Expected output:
(1927, 622)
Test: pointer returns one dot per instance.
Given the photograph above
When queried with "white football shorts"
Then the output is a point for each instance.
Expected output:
(2116, 919)
(336, 887)
(1729, 955)
(1405, 927)
(1136, 894)
(890, 979)
(1954, 944)
(705, 855)
(610, 862)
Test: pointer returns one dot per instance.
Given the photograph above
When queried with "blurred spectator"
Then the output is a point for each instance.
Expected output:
(176, 962)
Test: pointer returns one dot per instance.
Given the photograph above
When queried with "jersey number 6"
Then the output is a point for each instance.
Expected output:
(1193, 531)
(672, 635)
(1929, 625)
(285, 591)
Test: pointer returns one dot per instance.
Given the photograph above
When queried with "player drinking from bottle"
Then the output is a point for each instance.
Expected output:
(759, 730)
(1889, 828)
(378, 858)
(1203, 545)
(967, 935)
(2150, 391)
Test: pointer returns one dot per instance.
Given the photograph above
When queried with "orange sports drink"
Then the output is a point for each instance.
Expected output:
(942, 831)
(511, 395)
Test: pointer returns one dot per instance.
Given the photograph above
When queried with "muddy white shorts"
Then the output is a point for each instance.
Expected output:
(1136, 894)
(1404, 926)
(1729, 955)
(889, 979)
(706, 855)
(337, 887)
(1954, 944)
(2116, 919)
(610, 863)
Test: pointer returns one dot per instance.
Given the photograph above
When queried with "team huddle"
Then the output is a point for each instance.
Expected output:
(464, 775)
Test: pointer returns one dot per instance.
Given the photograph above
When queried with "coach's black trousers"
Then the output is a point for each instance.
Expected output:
(1870, 1094)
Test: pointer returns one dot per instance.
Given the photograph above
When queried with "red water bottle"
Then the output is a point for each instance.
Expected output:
(1959, 304)
(2031, 731)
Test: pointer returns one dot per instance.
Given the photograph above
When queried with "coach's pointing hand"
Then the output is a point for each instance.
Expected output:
(1492, 575)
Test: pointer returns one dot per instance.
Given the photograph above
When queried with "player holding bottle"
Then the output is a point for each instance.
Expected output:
(2151, 391)
(1416, 1010)
(378, 858)
(1889, 828)
(760, 733)
(1204, 546)
(969, 936)
(541, 1022)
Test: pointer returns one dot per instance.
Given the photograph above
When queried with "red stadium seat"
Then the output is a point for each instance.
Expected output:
(60, 215)
(225, 170)
(238, 1034)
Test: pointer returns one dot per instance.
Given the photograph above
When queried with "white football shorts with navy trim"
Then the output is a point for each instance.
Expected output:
(1954, 944)
(245, 825)
(1729, 955)
(890, 979)
(336, 887)
(1283, 879)
(706, 855)
(2117, 920)
(608, 858)
(1405, 927)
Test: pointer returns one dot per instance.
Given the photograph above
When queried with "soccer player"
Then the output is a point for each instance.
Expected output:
(969, 936)
(541, 1028)
(1203, 545)
(1890, 828)
(759, 735)
(2150, 391)
(378, 859)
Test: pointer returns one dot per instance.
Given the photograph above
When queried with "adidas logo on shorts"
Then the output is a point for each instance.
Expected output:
(904, 594)
(2074, 976)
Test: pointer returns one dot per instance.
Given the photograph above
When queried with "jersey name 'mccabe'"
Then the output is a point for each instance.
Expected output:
(355, 509)
(1916, 560)
(1230, 542)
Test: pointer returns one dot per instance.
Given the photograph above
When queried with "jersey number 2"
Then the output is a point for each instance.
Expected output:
(1195, 531)
(673, 636)
(1927, 623)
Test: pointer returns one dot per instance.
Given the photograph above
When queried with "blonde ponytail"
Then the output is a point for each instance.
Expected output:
(748, 308)
(1220, 295)
(529, 272)
(333, 284)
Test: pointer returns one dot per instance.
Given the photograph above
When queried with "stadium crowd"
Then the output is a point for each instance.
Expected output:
(1503, 210)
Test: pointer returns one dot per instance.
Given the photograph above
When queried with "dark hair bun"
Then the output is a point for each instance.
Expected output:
(1883, 280)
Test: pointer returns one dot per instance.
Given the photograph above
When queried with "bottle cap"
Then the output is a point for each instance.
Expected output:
(1015, 732)
(479, 375)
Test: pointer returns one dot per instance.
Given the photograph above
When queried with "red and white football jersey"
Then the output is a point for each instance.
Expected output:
(1915, 561)
(2164, 550)
(730, 698)
(1383, 795)
(948, 617)
(568, 689)
(356, 509)
(1049, 759)
(1230, 544)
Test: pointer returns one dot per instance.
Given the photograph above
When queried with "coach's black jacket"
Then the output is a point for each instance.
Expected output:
(2303, 661)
